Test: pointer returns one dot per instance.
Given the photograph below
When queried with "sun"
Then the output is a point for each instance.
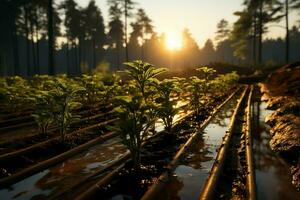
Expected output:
(173, 41)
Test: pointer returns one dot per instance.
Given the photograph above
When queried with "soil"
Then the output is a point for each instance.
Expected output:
(155, 157)
(30, 138)
(282, 91)
(50, 150)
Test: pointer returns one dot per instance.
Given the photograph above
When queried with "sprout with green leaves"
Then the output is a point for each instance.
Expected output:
(143, 74)
(195, 88)
(43, 110)
(136, 112)
(222, 83)
(65, 101)
(134, 124)
(206, 73)
(93, 86)
(16, 93)
(168, 90)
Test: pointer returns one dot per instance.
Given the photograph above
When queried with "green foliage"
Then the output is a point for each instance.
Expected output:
(64, 102)
(15, 94)
(222, 83)
(168, 92)
(93, 86)
(143, 74)
(43, 112)
(195, 88)
(134, 124)
(136, 112)
(206, 73)
(111, 87)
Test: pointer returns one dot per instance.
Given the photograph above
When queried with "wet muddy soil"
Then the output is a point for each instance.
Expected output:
(58, 177)
(282, 94)
(157, 155)
(47, 151)
(272, 170)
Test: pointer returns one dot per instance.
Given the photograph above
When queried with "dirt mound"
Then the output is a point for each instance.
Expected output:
(282, 92)
(285, 81)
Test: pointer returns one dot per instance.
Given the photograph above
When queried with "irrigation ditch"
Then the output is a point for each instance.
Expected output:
(40, 167)
(215, 158)
(121, 177)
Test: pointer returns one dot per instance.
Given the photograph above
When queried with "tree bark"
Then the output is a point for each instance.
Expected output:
(68, 57)
(50, 38)
(126, 44)
(254, 39)
(287, 37)
(15, 48)
(27, 43)
(33, 48)
(76, 58)
(94, 53)
(37, 45)
(79, 56)
(260, 32)
(118, 56)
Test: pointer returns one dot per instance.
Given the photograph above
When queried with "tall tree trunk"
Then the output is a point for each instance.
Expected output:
(68, 57)
(27, 43)
(94, 53)
(260, 32)
(254, 39)
(126, 41)
(118, 56)
(79, 56)
(37, 45)
(33, 48)
(142, 49)
(76, 59)
(50, 38)
(37, 55)
(15, 47)
(287, 37)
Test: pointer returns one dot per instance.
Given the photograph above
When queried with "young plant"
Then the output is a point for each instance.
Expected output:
(144, 75)
(111, 87)
(206, 73)
(43, 112)
(136, 112)
(222, 83)
(195, 88)
(92, 85)
(134, 124)
(166, 100)
(65, 101)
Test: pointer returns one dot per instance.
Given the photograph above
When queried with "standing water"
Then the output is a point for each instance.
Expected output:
(273, 180)
(57, 177)
(191, 173)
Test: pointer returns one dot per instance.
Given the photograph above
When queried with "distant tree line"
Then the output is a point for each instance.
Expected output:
(44, 37)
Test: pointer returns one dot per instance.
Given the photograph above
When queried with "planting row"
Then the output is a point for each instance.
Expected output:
(138, 97)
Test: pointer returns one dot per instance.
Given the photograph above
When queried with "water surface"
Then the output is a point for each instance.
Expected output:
(191, 173)
(58, 177)
(273, 180)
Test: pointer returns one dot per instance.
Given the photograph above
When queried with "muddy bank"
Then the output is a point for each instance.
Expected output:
(282, 93)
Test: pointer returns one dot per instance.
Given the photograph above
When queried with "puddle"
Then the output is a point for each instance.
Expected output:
(191, 173)
(58, 177)
(159, 125)
(273, 180)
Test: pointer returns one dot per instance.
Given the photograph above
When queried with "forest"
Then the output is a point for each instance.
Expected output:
(81, 41)
(105, 100)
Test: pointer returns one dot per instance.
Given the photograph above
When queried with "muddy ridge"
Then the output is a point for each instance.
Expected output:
(282, 93)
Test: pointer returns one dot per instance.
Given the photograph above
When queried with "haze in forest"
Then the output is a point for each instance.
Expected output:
(87, 36)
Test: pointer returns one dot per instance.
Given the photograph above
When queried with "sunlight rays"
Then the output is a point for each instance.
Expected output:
(173, 41)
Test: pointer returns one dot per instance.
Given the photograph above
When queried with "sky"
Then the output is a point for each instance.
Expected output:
(199, 16)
